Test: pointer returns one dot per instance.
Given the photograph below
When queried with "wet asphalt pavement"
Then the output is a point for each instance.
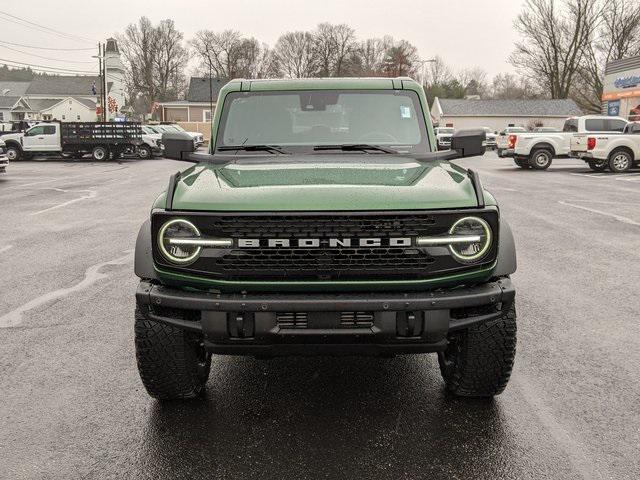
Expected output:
(72, 405)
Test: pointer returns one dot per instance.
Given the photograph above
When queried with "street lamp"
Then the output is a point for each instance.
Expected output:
(422, 70)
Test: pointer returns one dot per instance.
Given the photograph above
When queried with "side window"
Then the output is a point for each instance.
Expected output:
(595, 125)
(616, 125)
(570, 125)
(49, 130)
(32, 132)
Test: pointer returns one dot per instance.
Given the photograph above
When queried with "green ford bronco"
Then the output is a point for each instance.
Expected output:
(324, 221)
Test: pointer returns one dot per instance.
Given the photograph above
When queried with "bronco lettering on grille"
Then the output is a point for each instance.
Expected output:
(323, 242)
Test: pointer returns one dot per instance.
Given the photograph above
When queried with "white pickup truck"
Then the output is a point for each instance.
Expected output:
(617, 152)
(503, 146)
(538, 149)
(74, 139)
(443, 137)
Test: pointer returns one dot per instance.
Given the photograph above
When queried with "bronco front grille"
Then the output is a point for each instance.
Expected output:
(323, 262)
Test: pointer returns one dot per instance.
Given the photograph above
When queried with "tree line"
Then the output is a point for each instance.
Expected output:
(563, 49)
(566, 44)
(157, 56)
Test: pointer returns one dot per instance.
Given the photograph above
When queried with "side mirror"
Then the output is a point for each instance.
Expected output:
(177, 145)
(469, 143)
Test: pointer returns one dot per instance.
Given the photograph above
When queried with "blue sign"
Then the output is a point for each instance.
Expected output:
(613, 108)
(627, 82)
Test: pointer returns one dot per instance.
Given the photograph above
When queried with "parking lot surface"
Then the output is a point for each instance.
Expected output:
(72, 405)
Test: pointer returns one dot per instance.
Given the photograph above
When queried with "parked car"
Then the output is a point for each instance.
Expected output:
(537, 150)
(492, 138)
(443, 137)
(502, 142)
(198, 138)
(346, 239)
(4, 161)
(74, 139)
(151, 142)
(618, 152)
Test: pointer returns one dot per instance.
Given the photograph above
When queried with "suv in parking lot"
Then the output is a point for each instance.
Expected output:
(325, 222)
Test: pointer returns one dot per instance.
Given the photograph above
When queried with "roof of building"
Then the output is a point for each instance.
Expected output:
(8, 101)
(39, 104)
(14, 88)
(88, 102)
(199, 89)
(63, 85)
(514, 108)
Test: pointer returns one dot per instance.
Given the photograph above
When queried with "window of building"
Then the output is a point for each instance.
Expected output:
(77, 117)
(206, 115)
(63, 117)
(1, 116)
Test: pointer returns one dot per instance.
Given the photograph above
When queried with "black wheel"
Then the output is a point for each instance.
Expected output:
(13, 153)
(172, 362)
(620, 161)
(144, 151)
(100, 153)
(541, 159)
(478, 361)
(598, 165)
(522, 163)
(499, 152)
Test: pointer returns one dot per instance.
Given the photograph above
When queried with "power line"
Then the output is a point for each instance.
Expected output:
(46, 58)
(45, 67)
(41, 28)
(47, 48)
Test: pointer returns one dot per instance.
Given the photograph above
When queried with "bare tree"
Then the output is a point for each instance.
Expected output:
(295, 55)
(554, 41)
(369, 54)
(438, 73)
(507, 86)
(617, 36)
(154, 59)
(227, 54)
(473, 80)
(401, 59)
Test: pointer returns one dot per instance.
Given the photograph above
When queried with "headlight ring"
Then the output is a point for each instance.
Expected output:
(180, 254)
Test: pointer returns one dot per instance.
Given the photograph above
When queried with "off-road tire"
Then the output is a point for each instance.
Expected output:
(598, 165)
(172, 362)
(478, 360)
(522, 163)
(620, 161)
(541, 158)
(100, 154)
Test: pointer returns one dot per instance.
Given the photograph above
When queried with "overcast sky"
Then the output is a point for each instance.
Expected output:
(466, 33)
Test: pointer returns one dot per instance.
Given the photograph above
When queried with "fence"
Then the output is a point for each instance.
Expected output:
(202, 127)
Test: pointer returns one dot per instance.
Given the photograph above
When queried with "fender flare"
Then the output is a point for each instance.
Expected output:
(507, 263)
(143, 260)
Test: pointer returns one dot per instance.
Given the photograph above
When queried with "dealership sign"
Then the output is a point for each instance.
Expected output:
(627, 82)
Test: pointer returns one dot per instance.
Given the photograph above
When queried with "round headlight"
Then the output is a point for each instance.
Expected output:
(473, 250)
(171, 246)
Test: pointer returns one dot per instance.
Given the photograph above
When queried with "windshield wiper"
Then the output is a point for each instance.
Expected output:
(251, 148)
(350, 147)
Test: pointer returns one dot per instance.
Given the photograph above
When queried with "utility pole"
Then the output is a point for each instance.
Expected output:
(104, 76)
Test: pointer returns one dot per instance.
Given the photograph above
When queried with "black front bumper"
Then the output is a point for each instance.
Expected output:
(238, 324)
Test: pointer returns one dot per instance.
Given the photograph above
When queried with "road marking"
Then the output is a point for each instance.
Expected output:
(4, 249)
(91, 194)
(91, 276)
(620, 218)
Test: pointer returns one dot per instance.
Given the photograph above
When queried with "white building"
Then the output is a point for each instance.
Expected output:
(498, 114)
(64, 97)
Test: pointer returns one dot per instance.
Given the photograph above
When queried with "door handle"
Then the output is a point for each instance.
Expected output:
(40, 138)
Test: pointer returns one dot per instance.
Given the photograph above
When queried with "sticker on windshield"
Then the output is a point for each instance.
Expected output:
(405, 112)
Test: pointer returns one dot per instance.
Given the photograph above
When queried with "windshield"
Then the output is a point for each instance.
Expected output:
(301, 120)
